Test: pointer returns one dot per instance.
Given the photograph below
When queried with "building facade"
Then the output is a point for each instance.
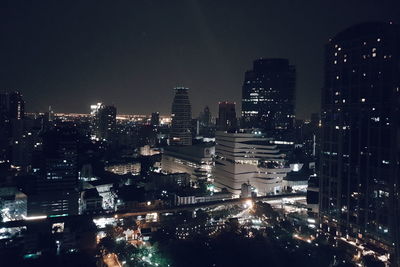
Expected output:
(359, 196)
(57, 186)
(268, 96)
(196, 160)
(181, 118)
(12, 114)
(248, 158)
(104, 121)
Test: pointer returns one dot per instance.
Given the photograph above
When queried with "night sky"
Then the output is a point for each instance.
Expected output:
(70, 54)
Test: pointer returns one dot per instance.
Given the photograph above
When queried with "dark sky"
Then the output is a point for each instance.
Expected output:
(70, 54)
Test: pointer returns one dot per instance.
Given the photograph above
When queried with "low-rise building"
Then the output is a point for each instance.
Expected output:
(192, 196)
(13, 204)
(196, 160)
(133, 198)
(124, 168)
(91, 201)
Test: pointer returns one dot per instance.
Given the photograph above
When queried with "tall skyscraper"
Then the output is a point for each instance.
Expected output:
(227, 116)
(360, 178)
(181, 118)
(268, 96)
(107, 121)
(103, 121)
(12, 113)
(57, 188)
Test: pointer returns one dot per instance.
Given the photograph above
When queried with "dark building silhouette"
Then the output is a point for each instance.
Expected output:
(12, 113)
(226, 116)
(181, 118)
(360, 178)
(205, 117)
(206, 125)
(57, 187)
(268, 96)
(104, 121)
(155, 119)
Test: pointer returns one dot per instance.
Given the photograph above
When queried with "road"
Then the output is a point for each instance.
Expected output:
(156, 210)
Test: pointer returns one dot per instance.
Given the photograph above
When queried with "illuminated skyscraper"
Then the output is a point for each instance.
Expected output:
(360, 178)
(103, 121)
(268, 96)
(181, 118)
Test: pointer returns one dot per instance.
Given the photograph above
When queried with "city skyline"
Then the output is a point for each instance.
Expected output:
(115, 55)
(200, 133)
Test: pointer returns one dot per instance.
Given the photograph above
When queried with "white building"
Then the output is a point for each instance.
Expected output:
(196, 160)
(248, 158)
(122, 169)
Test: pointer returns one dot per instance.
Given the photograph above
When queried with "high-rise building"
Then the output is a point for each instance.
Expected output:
(360, 177)
(12, 113)
(155, 119)
(181, 118)
(268, 96)
(57, 188)
(227, 116)
(107, 121)
(103, 121)
(248, 158)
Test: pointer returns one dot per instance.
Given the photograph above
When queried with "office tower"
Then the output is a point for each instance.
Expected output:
(155, 119)
(248, 158)
(12, 113)
(103, 121)
(107, 121)
(227, 116)
(94, 123)
(181, 118)
(56, 190)
(268, 96)
(360, 178)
